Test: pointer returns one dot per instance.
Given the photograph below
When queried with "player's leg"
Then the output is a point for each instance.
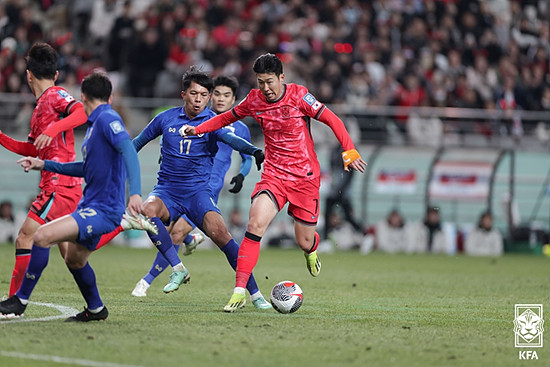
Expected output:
(303, 197)
(181, 233)
(159, 264)
(308, 240)
(129, 221)
(262, 212)
(157, 211)
(215, 228)
(84, 276)
(23, 246)
(61, 229)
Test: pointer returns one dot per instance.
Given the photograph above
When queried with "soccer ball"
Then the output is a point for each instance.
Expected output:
(286, 297)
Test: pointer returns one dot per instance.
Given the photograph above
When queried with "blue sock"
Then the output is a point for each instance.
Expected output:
(158, 266)
(85, 278)
(231, 251)
(188, 239)
(163, 242)
(37, 263)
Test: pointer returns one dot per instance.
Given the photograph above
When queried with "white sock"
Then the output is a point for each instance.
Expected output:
(179, 267)
(255, 296)
(23, 301)
(96, 310)
(240, 290)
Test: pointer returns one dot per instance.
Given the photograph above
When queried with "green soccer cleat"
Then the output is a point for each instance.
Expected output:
(313, 263)
(177, 278)
(261, 304)
(237, 301)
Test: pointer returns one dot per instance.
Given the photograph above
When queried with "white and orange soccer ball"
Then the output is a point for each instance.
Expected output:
(286, 297)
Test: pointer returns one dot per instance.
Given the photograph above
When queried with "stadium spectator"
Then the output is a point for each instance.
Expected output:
(484, 240)
(443, 38)
(428, 235)
(8, 228)
(390, 234)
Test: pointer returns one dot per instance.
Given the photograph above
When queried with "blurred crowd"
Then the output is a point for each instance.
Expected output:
(491, 54)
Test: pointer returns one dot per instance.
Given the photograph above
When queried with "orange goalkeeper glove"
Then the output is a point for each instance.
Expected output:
(349, 156)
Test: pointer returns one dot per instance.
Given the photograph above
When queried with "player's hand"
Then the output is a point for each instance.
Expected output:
(259, 157)
(187, 130)
(42, 141)
(135, 205)
(29, 163)
(353, 161)
(238, 181)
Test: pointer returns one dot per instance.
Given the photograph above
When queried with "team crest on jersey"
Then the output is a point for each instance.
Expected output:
(286, 111)
(65, 95)
(116, 126)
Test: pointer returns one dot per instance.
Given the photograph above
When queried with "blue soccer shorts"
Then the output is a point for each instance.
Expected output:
(93, 222)
(183, 202)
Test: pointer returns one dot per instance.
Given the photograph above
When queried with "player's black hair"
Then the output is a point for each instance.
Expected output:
(197, 76)
(42, 61)
(227, 81)
(97, 86)
(268, 63)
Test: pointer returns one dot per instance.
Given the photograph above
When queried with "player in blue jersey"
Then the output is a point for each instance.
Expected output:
(183, 186)
(109, 158)
(223, 98)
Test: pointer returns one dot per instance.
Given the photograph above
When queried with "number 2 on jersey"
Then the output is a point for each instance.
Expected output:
(183, 143)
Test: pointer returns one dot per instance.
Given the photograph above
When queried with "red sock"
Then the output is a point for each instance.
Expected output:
(22, 258)
(315, 243)
(107, 237)
(249, 252)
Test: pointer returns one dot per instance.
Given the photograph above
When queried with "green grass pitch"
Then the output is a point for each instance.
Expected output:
(374, 310)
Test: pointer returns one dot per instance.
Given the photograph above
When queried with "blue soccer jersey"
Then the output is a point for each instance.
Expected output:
(222, 160)
(104, 168)
(186, 162)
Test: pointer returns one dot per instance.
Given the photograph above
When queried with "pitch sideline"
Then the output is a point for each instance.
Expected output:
(57, 359)
(65, 311)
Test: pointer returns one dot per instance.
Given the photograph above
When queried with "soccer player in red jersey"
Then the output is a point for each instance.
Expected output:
(291, 168)
(51, 137)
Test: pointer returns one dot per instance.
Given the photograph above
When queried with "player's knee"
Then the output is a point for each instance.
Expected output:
(41, 238)
(255, 228)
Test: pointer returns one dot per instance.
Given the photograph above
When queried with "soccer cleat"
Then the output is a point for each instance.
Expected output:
(189, 248)
(139, 221)
(261, 303)
(86, 316)
(313, 263)
(141, 288)
(12, 308)
(237, 301)
(177, 278)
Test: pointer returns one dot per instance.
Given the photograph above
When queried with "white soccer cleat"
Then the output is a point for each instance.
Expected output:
(189, 248)
(141, 289)
(139, 221)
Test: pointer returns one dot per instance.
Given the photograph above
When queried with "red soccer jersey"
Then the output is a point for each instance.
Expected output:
(54, 104)
(289, 147)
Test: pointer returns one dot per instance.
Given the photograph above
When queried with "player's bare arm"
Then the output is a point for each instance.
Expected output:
(31, 163)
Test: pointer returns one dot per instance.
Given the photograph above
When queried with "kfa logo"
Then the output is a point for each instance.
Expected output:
(528, 329)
